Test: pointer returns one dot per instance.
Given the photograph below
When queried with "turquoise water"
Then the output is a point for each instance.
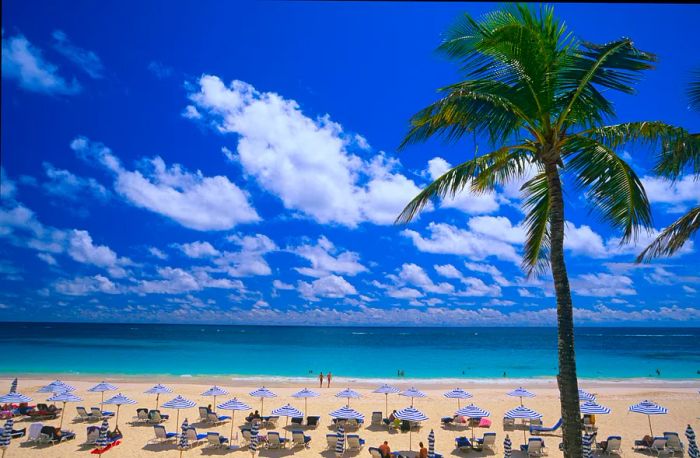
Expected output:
(140, 349)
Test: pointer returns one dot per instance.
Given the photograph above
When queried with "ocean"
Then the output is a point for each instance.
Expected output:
(354, 352)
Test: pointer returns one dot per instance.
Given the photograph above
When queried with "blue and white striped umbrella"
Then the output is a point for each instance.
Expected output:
(305, 394)
(6, 435)
(472, 411)
(56, 386)
(591, 408)
(102, 440)
(287, 411)
(183, 443)
(386, 390)
(507, 447)
(692, 444)
(649, 408)
(340, 442)
(158, 390)
(458, 394)
(521, 393)
(101, 388)
(523, 412)
(347, 413)
(119, 400)
(233, 405)
(413, 393)
(253, 445)
(178, 403)
(585, 396)
(13, 386)
(14, 398)
(431, 444)
(410, 414)
(64, 397)
(215, 391)
(586, 444)
(262, 393)
(348, 394)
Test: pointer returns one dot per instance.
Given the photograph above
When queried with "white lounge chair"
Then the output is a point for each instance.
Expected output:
(141, 416)
(161, 435)
(375, 453)
(488, 441)
(214, 419)
(534, 447)
(331, 440)
(657, 446)
(614, 445)
(245, 434)
(271, 422)
(34, 431)
(300, 440)
(203, 414)
(194, 438)
(377, 418)
(508, 423)
(93, 432)
(215, 440)
(83, 415)
(673, 443)
(354, 442)
(100, 414)
(275, 441)
(154, 416)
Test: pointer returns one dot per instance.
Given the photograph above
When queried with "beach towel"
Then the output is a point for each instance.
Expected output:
(484, 423)
(100, 451)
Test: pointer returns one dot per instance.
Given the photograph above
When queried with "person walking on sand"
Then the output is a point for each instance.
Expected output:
(329, 376)
(320, 380)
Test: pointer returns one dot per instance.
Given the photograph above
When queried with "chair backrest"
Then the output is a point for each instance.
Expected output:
(297, 420)
(159, 431)
(93, 432)
(155, 415)
(614, 444)
(672, 440)
(142, 414)
(191, 434)
(212, 417)
(273, 420)
(298, 437)
(273, 438)
(376, 418)
(352, 423)
(213, 438)
(534, 444)
(203, 413)
(34, 430)
(659, 443)
(489, 438)
(312, 421)
(331, 440)
(95, 411)
(536, 421)
(246, 434)
(353, 441)
(375, 452)
(82, 412)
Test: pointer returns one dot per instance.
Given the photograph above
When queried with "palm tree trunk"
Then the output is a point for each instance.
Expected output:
(568, 384)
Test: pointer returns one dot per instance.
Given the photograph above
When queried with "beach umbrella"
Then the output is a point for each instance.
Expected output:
(431, 444)
(521, 393)
(410, 414)
(102, 440)
(182, 443)
(585, 396)
(507, 447)
(591, 408)
(305, 394)
(178, 403)
(347, 413)
(340, 442)
(386, 390)
(523, 413)
(101, 388)
(348, 394)
(6, 435)
(158, 390)
(14, 398)
(13, 386)
(55, 387)
(413, 393)
(649, 408)
(689, 434)
(253, 446)
(64, 397)
(472, 411)
(458, 394)
(287, 411)
(586, 446)
(215, 391)
(262, 393)
(118, 401)
(233, 405)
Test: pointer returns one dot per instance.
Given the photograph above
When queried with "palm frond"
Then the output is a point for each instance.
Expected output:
(673, 237)
(679, 157)
(694, 91)
(537, 205)
(612, 187)
(497, 167)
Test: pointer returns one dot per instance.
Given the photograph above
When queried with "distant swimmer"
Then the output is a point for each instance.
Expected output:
(658, 372)
(504, 374)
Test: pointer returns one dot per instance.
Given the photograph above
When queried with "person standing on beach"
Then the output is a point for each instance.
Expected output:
(320, 380)
(329, 379)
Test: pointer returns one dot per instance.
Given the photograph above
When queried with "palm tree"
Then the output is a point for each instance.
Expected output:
(672, 163)
(537, 93)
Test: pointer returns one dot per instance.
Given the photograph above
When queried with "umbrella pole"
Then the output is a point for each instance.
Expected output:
(286, 424)
(459, 406)
(650, 430)
(230, 437)
(157, 396)
(262, 406)
(116, 421)
(177, 419)
(305, 408)
(63, 412)
(102, 401)
(386, 405)
(410, 439)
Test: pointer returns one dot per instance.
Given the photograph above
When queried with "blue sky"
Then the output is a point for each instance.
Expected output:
(237, 162)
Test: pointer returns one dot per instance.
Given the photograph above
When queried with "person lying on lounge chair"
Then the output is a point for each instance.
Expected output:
(391, 418)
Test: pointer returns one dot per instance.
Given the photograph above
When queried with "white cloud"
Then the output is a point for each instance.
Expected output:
(176, 281)
(466, 200)
(47, 258)
(81, 249)
(603, 285)
(24, 62)
(523, 292)
(475, 286)
(249, 260)
(330, 286)
(676, 196)
(8, 188)
(198, 249)
(689, 289)
(325, 259)
(191, 199)
(414, 275)
(82, 286)
(88, 61)
(66, 184)
(583, 240)
(280, 285)
(490, 269)
(308, 163)
(157, 253)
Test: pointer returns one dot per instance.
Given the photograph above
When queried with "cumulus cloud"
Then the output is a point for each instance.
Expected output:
(250, 259)
(70, 186)
(603, 285)
(88, 61)
(676, 196)
(157, 253)
(413, 275)
(81, 249)
(308, 163)
(325, 259)
(198, 249)
(191, 199)
(177, 281)
(466, 200)
(280, 285)
(330, 286)
(82, 286)
(474, 286)
(23, 62)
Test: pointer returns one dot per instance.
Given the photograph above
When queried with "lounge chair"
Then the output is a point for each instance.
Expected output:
(312, 421)
(377, 418)
(331, 440)
(245, 434)
(463, 443)
(93, 432)
(488, 441)
(161, 435)
(447, 421)
(508, 424)
(215, 440)
(49, 435)
(17, 433)
(215, 419)
(141, 416)
(355, 442)
(374, 451)
(297, 421)
(34, 432)
(100, 414)
(299, 439)
(203, 414)
(614, 445)
(275, 441)
(154, 416)
(534, 447)
(535, 429)
(83, 415)
(657, 446)
(673, 443)
(271, 422)
(194, 438)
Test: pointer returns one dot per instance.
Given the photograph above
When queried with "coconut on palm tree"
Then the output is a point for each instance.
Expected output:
(538, 94)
